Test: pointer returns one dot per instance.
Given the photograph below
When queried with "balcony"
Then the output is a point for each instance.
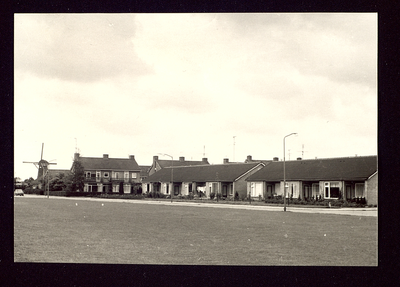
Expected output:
(108, 180)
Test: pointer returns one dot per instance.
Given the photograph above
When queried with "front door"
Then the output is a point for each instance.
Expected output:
(269, 190)
(224, 191)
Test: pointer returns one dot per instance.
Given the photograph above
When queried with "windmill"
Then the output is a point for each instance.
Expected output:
(42, 166)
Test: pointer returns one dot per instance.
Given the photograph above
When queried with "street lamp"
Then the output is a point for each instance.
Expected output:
(172, 172)
(284, 171)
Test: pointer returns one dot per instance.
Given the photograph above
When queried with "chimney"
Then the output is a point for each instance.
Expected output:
(249, 158)
(181, 158)
(105, 155)
(204, 159)
(132, 157)
(226, 160)
(276, 159)
(155, 157)
(76, 156)
(299, 158)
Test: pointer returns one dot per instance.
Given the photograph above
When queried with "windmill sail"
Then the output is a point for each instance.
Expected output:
(42, 165)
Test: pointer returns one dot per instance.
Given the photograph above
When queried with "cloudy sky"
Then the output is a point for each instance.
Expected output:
(193, 85)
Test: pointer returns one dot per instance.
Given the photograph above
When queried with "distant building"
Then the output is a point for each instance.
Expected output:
(159, 164)
(107, 174)
(144, 171)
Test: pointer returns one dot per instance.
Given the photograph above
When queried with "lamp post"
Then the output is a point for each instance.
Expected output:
(284, 171)
(172, 172)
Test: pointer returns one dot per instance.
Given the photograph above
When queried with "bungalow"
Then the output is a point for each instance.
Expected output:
(225, 179)
(109, 174)
(159, 164)
(331, 178)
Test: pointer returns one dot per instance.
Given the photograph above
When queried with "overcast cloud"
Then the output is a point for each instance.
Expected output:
(144, 84)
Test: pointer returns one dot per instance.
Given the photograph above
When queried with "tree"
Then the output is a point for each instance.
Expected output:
(58, 182)
(29, 184)
(77, 177)
(121, 188)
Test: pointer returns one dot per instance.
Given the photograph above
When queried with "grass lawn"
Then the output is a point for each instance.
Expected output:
(58, 230)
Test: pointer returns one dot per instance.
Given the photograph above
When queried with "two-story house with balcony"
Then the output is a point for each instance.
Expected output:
(107, 174)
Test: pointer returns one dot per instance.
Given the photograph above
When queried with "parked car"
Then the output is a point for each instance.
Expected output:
(18, 192)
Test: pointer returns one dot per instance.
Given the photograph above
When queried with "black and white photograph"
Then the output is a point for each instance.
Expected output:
(211, 139)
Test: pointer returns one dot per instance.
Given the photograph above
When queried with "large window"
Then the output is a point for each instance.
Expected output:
(331, 190)
(315, 189)
(359, 190)
(127, 188)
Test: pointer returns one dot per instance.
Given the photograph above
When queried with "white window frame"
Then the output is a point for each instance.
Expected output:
(328, 185)
(106, 174)
(126, 174)
(134, 175)
(88, 174)
(98, 174)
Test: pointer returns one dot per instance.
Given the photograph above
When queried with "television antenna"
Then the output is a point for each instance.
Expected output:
(302, 151)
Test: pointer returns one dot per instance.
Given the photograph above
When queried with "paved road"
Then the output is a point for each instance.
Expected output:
(340, 211)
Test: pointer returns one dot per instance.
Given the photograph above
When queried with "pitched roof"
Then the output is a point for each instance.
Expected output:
(144, 170)
(166, 163)
(202, 173)
(109, 163)
(54, 172)
(344, 168)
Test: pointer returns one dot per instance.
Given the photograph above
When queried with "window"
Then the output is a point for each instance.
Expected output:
(98, 174)
(315, 189)
(326, 189)
(115, 174)
(88, 174)
(332, 190)
(359, 190)
(126, 174)
(134, 175)
(106, 174)
(127, 188)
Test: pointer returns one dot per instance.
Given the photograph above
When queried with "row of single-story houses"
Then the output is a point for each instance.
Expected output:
(330, 178)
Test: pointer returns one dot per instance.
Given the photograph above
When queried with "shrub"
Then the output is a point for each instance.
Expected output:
(212, 195)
